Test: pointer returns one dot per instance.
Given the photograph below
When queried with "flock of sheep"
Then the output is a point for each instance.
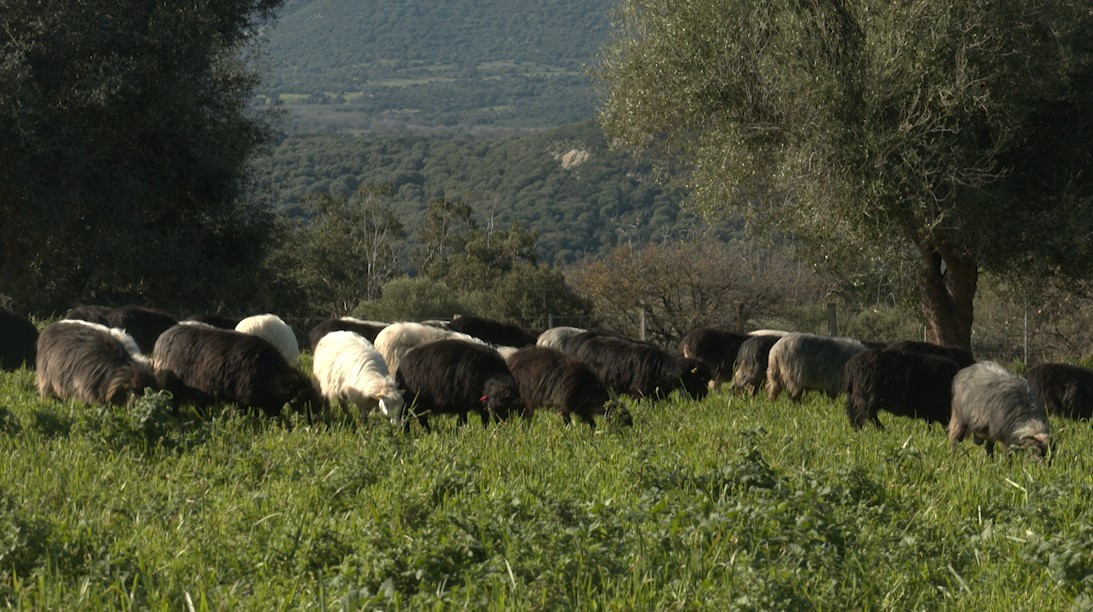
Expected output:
(410, 371)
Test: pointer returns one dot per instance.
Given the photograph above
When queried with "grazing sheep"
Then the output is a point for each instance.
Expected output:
(555, 337)
(18, 341)
(551, 379)
(637, 368)
(274, 330)
(202, 364)
(451, 376)
(906, 384)
(798, 362)
(90, 363)
(962, 357)
(398, 339)
(142, 323)
(492, 332)
(90, 312)
(717, 348)
(366, 329)
(350, 370)
(751, 362)
(1065, 390)
(996, 406)
(217, 320)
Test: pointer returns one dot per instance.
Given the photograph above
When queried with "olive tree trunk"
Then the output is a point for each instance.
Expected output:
(947, 289)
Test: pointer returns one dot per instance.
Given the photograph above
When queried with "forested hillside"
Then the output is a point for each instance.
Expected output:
(564, 184)
(387, 65)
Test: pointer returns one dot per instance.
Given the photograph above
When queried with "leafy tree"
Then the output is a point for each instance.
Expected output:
(442, 233)
(953, 133)
(124, 136)
(348, 249)
(412, 299)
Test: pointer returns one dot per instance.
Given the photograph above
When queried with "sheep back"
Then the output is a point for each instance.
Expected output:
(366, 329)
(492, 332)
(144, 324)
(398, 339)
(274, 330)
(962, 357)
(1065, 390)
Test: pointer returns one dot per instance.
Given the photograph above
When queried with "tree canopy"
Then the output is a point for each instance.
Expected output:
(124, 134)
(954, 134)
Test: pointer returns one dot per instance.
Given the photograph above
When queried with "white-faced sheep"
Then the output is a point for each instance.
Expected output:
(18, 341)
(456, 377)
(90, 363)
(142, 323)
(1065, 390)
(398, 339)
(351, 371)
(366, 329)
(994, 405)
(799, 362)
(717, 348)
(275, 331)
(751, 362)
(202, 364)
(906, 384)
(551, 379)
(555, 337)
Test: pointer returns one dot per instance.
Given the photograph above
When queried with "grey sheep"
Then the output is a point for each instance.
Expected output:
(799, 362)
(994, 405)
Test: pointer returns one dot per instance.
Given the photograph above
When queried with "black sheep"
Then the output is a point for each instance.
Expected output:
(717, 348)
(456, 377)
(962, 357)
(492, 332)
(1065, 390)
(903, 383)
(18, 340)
(202, 364)
(366, 329)
(142, 323)
(551, 379)
(751, 363)
(637, 368)
(90, 363)
(92, 313)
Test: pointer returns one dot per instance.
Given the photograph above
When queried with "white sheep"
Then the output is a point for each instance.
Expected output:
(351, 371)
(798, 362)
(275, 331)
(555, 337)
(398, 338)
(994, 405)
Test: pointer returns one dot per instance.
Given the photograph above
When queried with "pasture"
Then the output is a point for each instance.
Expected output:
(731, 502)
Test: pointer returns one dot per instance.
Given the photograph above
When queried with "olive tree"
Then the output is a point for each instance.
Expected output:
(951, 134)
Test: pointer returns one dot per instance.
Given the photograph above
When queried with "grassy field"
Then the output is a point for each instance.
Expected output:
(725, 503)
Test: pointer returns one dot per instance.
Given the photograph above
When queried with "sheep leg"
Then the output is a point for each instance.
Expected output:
(989, 445)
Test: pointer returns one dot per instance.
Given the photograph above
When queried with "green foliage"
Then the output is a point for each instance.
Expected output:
(412, 299)
(951, 133)
(383, 65)
(124, 134)
(574, 207)
(729, 503)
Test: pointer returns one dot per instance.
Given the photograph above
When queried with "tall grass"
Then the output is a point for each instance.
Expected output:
(729, 502)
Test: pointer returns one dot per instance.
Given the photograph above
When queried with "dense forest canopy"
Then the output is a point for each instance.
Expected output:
(565, 185)
(387, 65)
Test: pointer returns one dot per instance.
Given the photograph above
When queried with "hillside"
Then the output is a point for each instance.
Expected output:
(565, 184)
(400, 66)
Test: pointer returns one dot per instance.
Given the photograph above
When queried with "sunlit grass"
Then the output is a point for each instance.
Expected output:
(729, 502)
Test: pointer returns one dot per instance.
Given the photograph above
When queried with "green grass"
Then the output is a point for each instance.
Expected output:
(725, 503)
